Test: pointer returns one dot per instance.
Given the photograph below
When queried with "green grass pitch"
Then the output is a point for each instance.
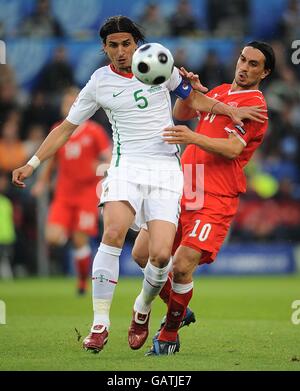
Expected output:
(243, 323)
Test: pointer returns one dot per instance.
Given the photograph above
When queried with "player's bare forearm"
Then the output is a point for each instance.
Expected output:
(204, 103)
(55, 139)
(196, 102)
(230, 147)
(183, 110)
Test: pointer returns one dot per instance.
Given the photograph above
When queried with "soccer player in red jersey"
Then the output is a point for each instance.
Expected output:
(213, 165)
(73, 212)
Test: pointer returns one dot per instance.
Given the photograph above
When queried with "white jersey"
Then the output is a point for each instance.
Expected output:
(138, 113)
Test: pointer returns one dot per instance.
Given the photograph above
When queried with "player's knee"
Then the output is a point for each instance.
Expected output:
(114, 236)
(180, 273)
(183, 268)
(139, 258)
(160, 258)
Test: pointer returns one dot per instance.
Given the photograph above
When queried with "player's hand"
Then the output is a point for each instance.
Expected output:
(254, 113)
(179, 134)
(193, 79)
(19, 174)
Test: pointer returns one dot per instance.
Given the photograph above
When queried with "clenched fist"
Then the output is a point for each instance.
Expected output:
(19, 174)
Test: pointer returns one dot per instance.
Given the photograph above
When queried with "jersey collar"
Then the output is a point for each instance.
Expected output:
(230, 92)
(128, 75)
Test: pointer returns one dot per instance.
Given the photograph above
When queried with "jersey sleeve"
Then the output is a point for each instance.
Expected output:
(251, 130)
(85, 104)
(173, 82)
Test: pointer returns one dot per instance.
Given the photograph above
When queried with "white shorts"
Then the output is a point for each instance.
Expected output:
(155, 200)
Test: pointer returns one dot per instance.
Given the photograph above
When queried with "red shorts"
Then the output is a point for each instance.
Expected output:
(78, 217)
(205, 229)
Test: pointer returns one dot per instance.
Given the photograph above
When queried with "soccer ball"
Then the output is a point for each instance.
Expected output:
(152, 64)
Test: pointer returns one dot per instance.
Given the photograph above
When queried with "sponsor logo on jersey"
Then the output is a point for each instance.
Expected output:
(154, 89)
(118, 93)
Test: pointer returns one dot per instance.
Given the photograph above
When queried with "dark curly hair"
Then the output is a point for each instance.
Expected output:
(267, 51)
(121, 24)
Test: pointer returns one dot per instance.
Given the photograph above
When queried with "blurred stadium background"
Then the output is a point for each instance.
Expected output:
(51, 44)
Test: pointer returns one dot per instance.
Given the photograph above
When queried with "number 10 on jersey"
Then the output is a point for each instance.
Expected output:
(204, 232)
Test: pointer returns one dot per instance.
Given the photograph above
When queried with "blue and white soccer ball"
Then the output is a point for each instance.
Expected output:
(152, 63)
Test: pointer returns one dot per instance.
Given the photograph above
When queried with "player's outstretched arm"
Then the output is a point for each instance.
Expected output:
(187, 109)
(55, 139)
(198, 102)
(230, 147)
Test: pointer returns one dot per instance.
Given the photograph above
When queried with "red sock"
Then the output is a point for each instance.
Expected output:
(83, 265)
(166, 289)
(178, 303)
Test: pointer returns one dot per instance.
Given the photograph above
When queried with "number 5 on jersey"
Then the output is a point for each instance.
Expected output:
(143, 102)
(204, 231)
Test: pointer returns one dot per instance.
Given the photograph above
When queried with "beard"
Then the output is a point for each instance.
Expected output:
(245, 84)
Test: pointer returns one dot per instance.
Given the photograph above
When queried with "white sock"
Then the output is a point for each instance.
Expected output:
(154, 280)
(182, 288)
(170, 266)
(105, 277)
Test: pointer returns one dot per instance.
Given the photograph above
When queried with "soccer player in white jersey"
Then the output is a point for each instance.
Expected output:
(144, 182)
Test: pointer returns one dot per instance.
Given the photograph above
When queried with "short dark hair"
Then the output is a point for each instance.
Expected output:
(267, 51)
(121, 24)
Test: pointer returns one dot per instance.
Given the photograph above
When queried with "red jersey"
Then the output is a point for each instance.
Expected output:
(222, 176)
(77, 161)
